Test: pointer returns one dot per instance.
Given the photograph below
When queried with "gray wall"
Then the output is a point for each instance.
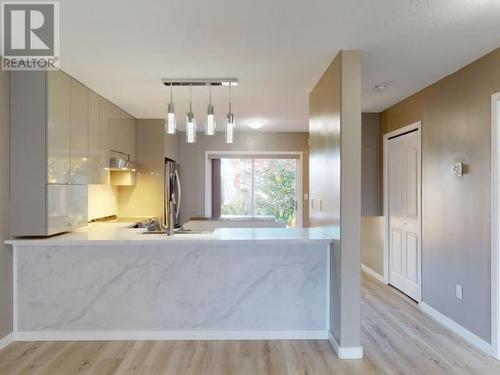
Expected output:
(192, 162)
(5, 251)
(456, 119)
(371, 171)
(335, 179)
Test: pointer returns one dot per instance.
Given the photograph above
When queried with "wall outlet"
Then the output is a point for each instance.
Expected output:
(459, 291)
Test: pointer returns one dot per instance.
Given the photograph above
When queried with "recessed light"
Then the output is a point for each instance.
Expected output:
(255, 124)
(379, 87)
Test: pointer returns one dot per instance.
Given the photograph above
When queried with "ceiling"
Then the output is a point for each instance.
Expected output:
(277, 48)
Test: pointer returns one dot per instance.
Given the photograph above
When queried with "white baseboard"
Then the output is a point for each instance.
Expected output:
(345, 352)
(168, 335)
(457, 328)
(4, 341)
(372, 273)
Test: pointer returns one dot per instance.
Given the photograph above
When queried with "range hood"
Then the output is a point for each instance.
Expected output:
(118, 164)
(121, 163)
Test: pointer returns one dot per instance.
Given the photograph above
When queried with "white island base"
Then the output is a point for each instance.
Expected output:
(248, 285)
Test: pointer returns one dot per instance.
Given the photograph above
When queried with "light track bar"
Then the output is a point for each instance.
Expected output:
(200, 81)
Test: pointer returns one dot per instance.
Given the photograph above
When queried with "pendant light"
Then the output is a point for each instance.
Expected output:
(230, 124)
(210, 124)
(170, 120)
(190, 122)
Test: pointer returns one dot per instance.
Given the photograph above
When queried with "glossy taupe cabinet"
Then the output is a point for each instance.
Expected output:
(62, 134)
(49, 153)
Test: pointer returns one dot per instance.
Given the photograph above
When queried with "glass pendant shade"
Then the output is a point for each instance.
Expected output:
(190, 128)
(170, 120)
(230, 125)
(210, 125)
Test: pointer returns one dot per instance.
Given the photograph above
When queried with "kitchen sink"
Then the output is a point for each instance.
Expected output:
(138, 225)
(178, 231)
(184, 231)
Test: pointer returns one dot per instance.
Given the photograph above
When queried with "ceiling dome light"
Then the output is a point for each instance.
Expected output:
(379, 87)
(255, 124)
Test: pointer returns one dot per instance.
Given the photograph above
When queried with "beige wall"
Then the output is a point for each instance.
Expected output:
(145, 198)
(192, 162)
(5, 251)
(455, 115)
(324, 159)
(335, 180)
(102, 201)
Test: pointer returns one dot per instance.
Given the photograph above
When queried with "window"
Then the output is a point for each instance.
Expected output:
(259, 187)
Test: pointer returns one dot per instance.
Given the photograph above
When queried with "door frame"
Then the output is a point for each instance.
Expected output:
(495, 225)
(405, 129)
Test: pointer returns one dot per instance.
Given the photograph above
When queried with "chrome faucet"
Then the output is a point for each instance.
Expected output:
(171, 218)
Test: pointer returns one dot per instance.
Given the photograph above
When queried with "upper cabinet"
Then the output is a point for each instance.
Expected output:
(121, 131)
(79, 133)
(58, 127)
(67, 130)
(97, 164)
(129, 126)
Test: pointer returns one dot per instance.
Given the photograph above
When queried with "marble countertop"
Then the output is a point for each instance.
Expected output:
(120, 234)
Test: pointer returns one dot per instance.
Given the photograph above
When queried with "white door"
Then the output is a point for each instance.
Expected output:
(404, 213)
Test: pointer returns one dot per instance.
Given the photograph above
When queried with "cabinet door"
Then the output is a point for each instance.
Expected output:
(115, 131)
(66, 207)
(96, 151)
(132, 138)
(79, 133)
(128, 130)
(105, 137)
(58, 128)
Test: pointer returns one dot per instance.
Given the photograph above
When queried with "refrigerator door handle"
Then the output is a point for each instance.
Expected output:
(166, 198)
(178, 180)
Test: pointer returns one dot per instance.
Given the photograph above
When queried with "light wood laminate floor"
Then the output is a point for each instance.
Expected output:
(397, 338)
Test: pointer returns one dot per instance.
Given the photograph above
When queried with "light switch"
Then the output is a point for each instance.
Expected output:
(458, 169)
(459, 291)
(306, 197)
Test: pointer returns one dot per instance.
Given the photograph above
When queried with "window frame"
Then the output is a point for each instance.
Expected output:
(249, 154)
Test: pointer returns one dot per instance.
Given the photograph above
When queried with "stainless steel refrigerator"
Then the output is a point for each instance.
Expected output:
(171, 192)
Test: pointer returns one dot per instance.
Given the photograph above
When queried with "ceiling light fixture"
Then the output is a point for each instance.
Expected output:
(255, 124)
(190, 122)
(210, 125)
(230, 124)
(170, 120)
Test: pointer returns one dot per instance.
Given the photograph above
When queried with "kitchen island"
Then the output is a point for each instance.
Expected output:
(112, 282)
